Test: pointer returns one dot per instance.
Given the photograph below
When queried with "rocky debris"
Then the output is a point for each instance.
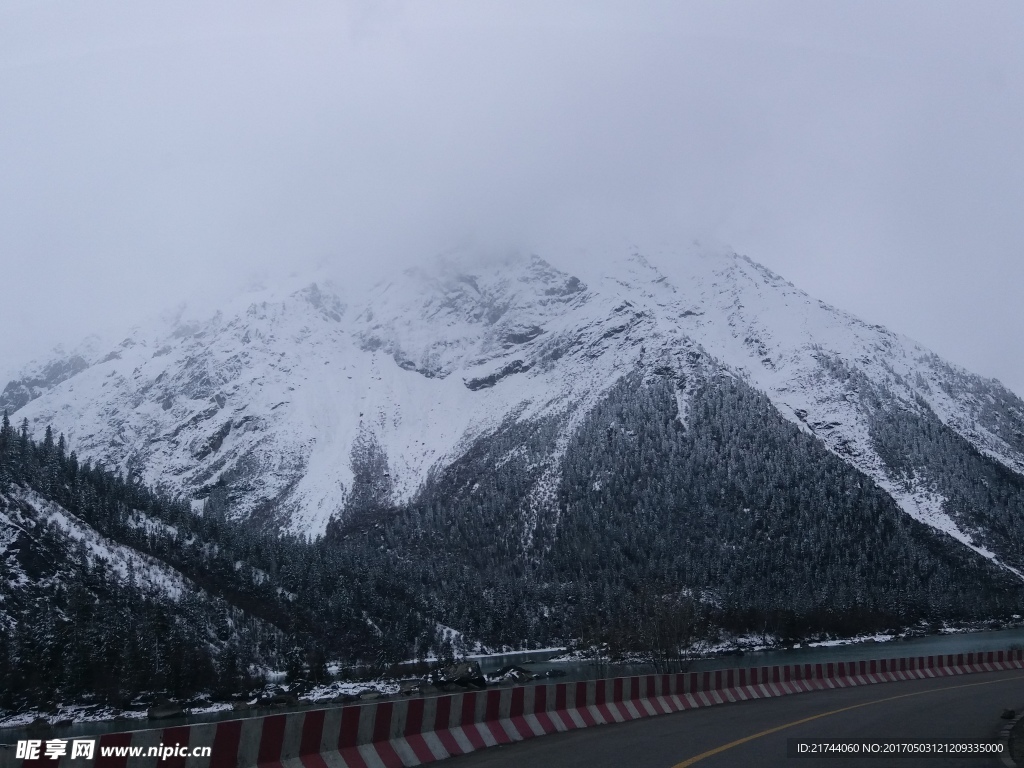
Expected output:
(299, 687)
(409, 687)
(454, 677)
(513, 674)
(416, 687)
(275, 696)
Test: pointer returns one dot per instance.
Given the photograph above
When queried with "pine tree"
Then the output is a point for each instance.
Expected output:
(7, 439)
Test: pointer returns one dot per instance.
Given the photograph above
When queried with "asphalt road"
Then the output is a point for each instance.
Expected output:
(755, 733)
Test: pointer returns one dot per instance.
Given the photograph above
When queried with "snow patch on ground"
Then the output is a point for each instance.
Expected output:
(149, 573)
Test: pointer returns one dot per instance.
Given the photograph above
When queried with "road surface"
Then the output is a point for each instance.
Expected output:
(755, 733)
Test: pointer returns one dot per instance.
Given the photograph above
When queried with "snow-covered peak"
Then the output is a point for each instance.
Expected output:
(270, 395)
(454, 317)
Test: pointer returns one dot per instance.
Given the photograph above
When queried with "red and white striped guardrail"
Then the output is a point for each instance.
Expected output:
(408, 732)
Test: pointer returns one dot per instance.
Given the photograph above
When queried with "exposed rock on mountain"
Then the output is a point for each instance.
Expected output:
(302, 405)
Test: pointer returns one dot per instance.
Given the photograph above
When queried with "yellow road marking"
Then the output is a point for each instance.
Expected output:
(745, 739)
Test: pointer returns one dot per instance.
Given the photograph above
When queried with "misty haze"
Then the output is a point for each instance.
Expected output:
(367, 363)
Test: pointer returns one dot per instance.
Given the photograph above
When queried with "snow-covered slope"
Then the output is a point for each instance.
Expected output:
(270, 397)
(43, 546)
(22, 511)
(777, 337)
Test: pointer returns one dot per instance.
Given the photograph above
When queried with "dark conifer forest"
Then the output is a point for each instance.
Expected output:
(652, 527)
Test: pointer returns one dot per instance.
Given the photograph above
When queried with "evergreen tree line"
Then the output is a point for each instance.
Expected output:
(730, 516)
(982, 496)
(74, 625)
(654, 529)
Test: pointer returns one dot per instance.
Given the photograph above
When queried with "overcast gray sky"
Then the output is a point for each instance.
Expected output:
(870, 152)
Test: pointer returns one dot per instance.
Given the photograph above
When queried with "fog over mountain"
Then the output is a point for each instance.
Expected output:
(868, 152)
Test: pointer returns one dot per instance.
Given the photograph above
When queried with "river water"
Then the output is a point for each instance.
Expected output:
(541, 662)
(931, 645)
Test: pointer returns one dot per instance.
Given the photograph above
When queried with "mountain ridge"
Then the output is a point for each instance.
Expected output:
(271, 400)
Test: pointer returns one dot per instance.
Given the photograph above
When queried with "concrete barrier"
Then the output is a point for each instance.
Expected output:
(414, 731)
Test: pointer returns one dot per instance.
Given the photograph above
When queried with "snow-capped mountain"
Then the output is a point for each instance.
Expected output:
(275, 400)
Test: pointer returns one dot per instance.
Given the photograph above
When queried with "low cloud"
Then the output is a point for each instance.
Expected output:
(868, 152)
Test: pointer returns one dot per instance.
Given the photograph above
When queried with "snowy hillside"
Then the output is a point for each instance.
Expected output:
(777, 337)
(273, 400)
(24, 514)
